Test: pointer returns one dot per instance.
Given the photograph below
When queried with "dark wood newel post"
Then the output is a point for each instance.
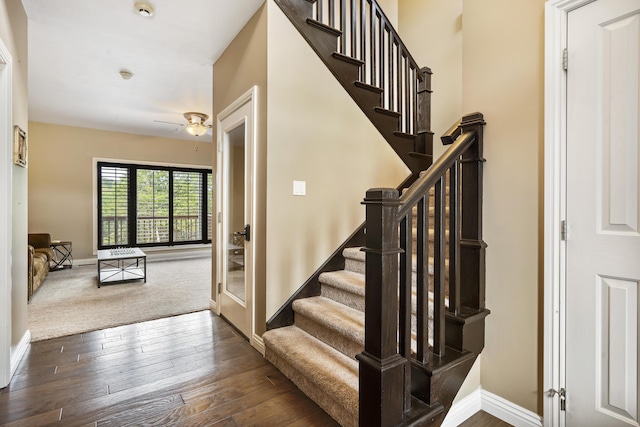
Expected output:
(382, 369)
(472, 247)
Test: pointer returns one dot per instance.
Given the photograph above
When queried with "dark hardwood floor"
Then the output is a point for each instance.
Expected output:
(190, 370)
(483, 419)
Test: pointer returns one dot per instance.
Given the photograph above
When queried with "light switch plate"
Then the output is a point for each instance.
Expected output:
(299, 188)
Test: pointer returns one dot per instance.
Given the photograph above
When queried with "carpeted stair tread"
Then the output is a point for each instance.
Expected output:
(354, 253)
(332, 315)
(346, 280)
(311, 361)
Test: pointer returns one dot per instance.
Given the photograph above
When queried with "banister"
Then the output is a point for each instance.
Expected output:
(435, 172)
(391, 279)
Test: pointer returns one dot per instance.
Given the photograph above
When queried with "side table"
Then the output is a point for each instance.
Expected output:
(63, 257)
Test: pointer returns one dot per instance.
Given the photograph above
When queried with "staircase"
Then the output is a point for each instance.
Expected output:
(421, 260)
(318, 353)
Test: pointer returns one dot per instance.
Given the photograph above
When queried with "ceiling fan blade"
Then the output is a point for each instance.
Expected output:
(171, 123)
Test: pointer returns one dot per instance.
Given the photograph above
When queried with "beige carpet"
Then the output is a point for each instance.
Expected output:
(69, 301)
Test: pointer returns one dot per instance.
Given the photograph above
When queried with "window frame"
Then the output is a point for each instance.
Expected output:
(132, 203)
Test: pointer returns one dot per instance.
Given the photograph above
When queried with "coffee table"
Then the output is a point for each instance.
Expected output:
(120, 265)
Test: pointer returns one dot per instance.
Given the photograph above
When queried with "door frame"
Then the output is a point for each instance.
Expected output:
(555, 192)
(249, 97)
(6, 158)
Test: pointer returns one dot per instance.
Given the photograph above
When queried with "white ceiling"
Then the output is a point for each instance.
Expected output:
(78, 47)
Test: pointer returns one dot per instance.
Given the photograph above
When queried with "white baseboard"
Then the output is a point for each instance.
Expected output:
(213, 306)
(463, 409)
(508, 411)
(257, 343)
(492, 404)
(21, 349)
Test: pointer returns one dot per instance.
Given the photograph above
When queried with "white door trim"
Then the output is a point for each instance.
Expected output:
(6, 170)
(251, 96)
(555, 118)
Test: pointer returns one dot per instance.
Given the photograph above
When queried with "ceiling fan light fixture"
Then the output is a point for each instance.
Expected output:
(144, 9)
(196, 126)
(197, 129)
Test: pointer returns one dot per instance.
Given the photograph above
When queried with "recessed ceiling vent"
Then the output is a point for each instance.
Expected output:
(144, 9)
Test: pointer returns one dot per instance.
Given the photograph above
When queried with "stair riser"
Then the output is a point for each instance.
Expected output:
(354, 265)
(334, 339)
(359, 267)
(347, 298)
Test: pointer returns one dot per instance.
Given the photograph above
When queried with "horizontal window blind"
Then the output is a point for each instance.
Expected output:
(187, 206)
(114, 206)
(152, 213)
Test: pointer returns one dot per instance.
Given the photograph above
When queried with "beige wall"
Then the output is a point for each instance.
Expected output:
(13, 33)
(242, 66)
(432, 31)
(61, 174)
(503, 78)
(487, 56)
(317, 134)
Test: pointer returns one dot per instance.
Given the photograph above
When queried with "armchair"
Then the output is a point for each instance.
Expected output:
(41, 243)
(39, 260)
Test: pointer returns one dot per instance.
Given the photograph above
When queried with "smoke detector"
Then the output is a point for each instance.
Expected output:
(144, 9)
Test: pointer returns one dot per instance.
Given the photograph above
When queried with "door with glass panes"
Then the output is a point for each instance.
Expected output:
(235, 240)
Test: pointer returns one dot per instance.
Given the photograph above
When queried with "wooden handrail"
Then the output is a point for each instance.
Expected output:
(435, 172)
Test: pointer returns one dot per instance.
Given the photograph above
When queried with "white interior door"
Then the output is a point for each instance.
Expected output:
(603, 214)
(235, 206)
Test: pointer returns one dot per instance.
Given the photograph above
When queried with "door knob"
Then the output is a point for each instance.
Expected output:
(246, 233)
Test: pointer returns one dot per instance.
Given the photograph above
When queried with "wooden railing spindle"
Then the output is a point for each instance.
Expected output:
(363, 38)
(399, 81)
(372, 41)
(439, 268)
(381, 56)
(406, 245)
(354, 40)
(407, 95)
(454, 238)
(422, 281)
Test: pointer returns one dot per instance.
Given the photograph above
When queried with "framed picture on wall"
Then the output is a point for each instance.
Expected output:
(19, 147)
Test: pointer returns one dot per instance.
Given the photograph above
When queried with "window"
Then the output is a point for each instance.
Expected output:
(143, 205)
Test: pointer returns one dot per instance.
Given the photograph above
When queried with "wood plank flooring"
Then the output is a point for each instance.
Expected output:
(483, 419)
(190, 370)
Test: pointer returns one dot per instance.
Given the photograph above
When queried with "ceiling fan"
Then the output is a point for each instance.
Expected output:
(196, 125)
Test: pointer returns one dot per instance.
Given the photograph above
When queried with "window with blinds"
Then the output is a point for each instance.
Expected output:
(142, 205)
(113, 199)
(152, 213)
(187, 206)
